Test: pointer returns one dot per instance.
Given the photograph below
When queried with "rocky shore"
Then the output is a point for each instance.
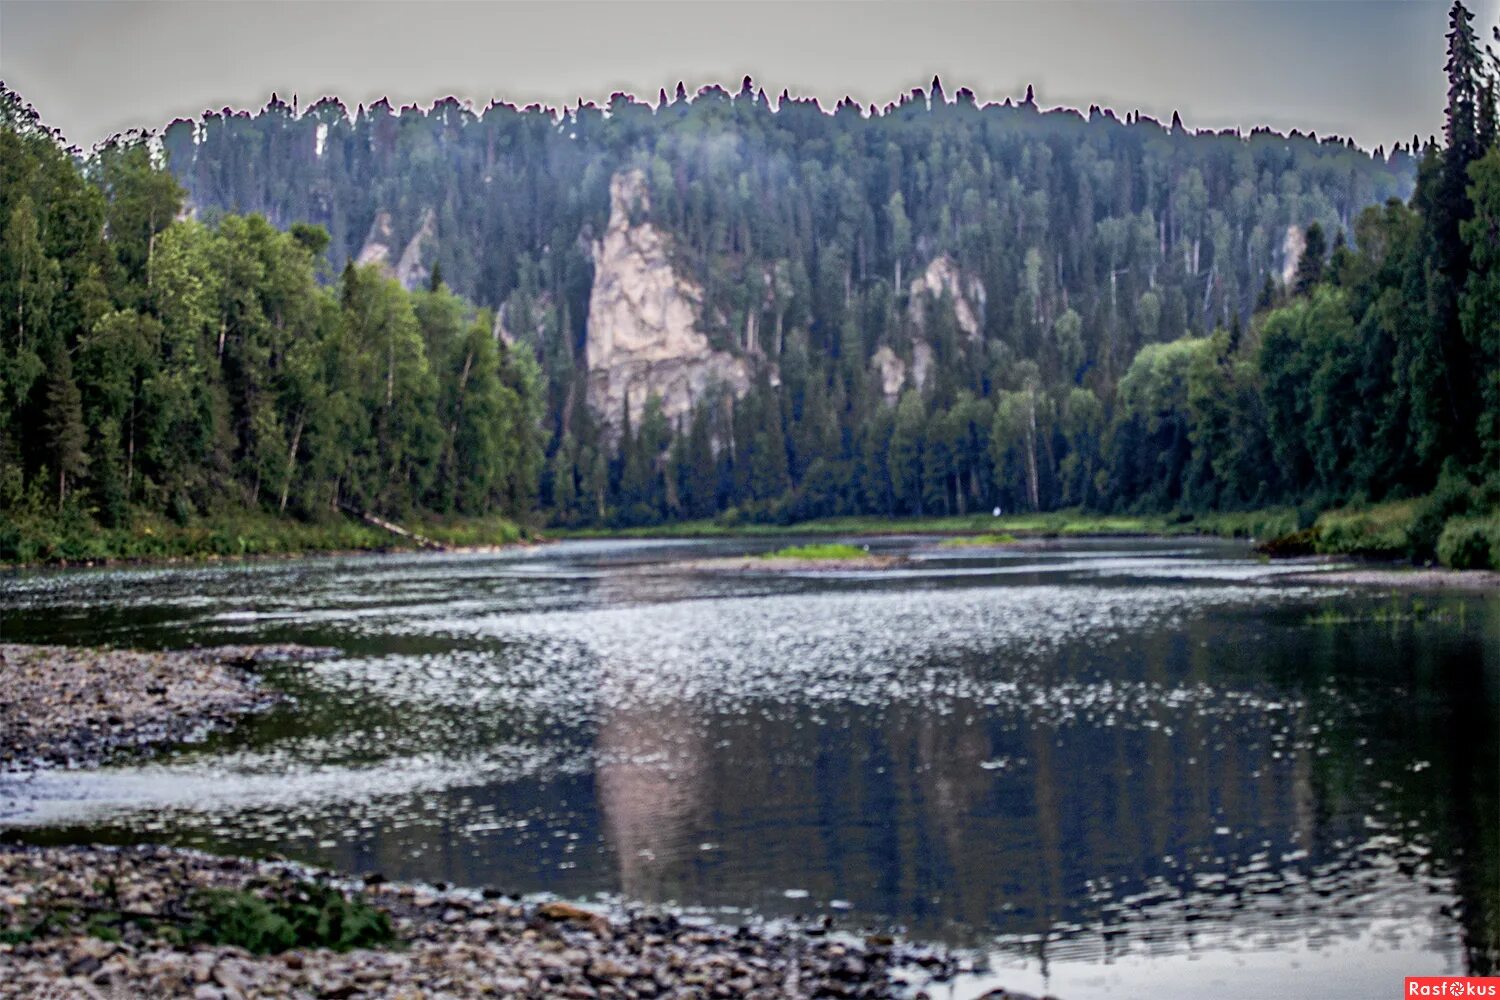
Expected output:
(95, 922)
(104, 922)
(1403, 578)
(74, 707)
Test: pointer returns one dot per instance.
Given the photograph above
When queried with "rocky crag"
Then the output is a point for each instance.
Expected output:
(941, 285)
(645, 335)
(412, 266)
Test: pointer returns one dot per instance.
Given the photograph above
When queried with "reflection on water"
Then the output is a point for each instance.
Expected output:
(1113, 769)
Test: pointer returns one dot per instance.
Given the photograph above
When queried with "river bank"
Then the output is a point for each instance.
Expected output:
(1054, 524)
(156, 540)
(1402, 578)
(116, 920)
(70, 707)
(155, 921)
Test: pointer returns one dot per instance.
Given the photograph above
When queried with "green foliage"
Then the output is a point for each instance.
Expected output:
(156, 368)
(75, 538)
(1075, 242)
(1455, 524)
(1453, 497)
(943, 309)
(299, 915)
(827, 550)
(969, 541)
(1380, 531)
(1470, 543)
(1396, 612)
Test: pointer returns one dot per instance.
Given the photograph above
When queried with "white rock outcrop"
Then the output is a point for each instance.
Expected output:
(1293, 245)
(377, 246)
(643, 323)
(411, 268)
(965, 291)
(893, 369)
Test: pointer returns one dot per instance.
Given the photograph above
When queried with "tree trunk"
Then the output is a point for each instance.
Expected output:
(130, 452)
(1032, 491)
(291, 461)
(390, 374)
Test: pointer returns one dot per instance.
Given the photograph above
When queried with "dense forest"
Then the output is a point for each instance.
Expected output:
(1085, 238)
(155, 367)
(941, 307)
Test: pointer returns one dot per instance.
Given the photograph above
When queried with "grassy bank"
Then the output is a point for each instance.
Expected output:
(1456, 526)
(826, 550)
(41, 541)
(1065, 523)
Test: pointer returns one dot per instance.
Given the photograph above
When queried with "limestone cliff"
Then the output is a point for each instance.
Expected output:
(377, 246)
(412, 268)
(643, 324)
(1292, 246)
(966, 292)
(966, 297)
(893, 369)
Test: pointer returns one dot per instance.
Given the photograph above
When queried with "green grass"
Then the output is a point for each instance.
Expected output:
(833, 550)
(43, 541)
(968, 541)
(299, 915)
(266, 917)
(1065, 523)
(1378, 531)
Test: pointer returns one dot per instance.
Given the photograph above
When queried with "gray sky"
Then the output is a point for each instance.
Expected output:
(1370, 70)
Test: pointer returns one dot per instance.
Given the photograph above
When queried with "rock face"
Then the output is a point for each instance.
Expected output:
(966, 296)
(377, 247)
(411, 268)
(966, 292)
(643, 326)
(1292, 246)
(893, 369)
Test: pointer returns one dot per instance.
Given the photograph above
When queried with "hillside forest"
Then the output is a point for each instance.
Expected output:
(937, 307)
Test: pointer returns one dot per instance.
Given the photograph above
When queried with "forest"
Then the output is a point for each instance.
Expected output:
(1119, 314)
(156, 370)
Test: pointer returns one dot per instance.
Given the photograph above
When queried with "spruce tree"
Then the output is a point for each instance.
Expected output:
(1310, 264)
(63, 423)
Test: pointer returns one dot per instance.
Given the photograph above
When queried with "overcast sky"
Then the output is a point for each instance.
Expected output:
(1370, 70)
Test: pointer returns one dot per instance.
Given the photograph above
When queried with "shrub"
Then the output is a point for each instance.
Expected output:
(1470, 543)
(1290, 545)
(300, 915)
(1451, 497)
(1373, 531)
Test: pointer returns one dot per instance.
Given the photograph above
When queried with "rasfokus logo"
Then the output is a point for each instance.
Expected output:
(1452, 986)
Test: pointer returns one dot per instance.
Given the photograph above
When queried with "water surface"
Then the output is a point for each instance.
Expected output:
(1109, 768)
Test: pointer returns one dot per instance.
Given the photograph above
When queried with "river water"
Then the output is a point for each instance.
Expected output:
(1106, 768)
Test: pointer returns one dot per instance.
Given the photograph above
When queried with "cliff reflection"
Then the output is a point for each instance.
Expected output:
(649, 779)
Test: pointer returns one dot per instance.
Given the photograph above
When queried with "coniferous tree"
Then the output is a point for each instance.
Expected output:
(1310, 264)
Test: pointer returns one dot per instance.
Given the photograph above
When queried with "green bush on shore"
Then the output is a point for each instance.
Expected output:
(1470, 543)
(299, 915)
(1457, 524)
(1380, 531)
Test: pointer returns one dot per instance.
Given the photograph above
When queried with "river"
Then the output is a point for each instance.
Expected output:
(1107, 768)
